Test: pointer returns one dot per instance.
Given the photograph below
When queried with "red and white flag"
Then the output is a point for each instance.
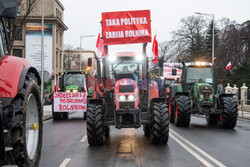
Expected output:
(55, 85)
(229, 66)
(155, 50)
(100, 46)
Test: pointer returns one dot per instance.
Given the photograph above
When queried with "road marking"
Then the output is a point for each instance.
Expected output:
(84, 138)
(198, 149)
(65, 162)
(192, 152)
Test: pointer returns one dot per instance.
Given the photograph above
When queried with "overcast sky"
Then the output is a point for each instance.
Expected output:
(83, 16)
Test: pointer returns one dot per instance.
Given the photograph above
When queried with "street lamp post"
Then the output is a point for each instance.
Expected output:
(210, 15)
(42, 52)
(81, 37)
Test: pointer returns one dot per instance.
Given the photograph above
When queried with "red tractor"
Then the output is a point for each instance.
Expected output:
(20, 103)
(125, 97)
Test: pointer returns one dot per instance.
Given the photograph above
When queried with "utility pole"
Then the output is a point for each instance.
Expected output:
(210, 15)
(42, 52)
(81, 37)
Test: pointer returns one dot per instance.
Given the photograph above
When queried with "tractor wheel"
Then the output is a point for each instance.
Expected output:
(182, 111)
(212, 119)
(228, 118)
(146, 129)
(95, 128)
(26, 128)
(171, 110)
(106, 131)
(160, 123)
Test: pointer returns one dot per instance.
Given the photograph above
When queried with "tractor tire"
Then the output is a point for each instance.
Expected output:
(171, 109)
(182, 111)
(212, 119)
(95, 127)
(228, 118)
(146, 129)
(25, 152)
(160, 123)
(106, 131)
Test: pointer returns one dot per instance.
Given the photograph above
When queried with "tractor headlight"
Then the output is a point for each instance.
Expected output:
(75, 90)
(201, 96)
(121, 97)
(132, 97)
(67, 91)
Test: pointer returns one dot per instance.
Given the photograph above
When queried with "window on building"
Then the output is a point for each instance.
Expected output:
(56, 36)
(60, 39)
(18, 52)
(19, 34)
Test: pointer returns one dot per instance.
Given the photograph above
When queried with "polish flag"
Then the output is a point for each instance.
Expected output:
(100, 46)
(155, 50)
(229, 66)
(55, 86)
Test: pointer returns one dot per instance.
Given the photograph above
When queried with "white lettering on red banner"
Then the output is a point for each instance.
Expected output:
(66, 102)
(126, 27)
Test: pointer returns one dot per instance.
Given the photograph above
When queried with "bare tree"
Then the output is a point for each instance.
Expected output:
(16, 25)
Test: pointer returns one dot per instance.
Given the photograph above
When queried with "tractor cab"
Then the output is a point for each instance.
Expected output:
(72, 81)
(125, 65)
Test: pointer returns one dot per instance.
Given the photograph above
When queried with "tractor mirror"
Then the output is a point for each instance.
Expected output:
(174, 71)
(228, 72)
(60, 83)
(89, 62)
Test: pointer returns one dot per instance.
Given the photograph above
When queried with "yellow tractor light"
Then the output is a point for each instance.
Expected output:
(88, 68)
(35, 126)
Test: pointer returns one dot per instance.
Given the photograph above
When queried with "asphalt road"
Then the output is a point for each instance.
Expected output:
(65, 144)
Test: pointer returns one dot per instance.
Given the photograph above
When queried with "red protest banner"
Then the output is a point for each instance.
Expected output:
(126, 27)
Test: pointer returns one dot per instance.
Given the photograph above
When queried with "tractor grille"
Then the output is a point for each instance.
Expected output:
(206, 91)
(127, 105)
(126, 88)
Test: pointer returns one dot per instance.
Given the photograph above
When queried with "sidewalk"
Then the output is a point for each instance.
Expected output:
(244, 114)
(47, 112)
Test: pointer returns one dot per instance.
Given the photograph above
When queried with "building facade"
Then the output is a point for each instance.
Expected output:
(72, 59)
(26, 41)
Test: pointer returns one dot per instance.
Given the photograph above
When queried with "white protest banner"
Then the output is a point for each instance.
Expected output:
(66, 102)
(167, 70)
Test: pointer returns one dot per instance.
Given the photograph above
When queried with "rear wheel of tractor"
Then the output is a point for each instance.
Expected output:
(228, 118)
(182, 111)
(95, 128)
(212, 119)
(27, 126)
(146, 129)
(160, 123)
(171, 110)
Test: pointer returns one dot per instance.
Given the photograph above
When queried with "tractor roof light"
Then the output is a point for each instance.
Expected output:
(198, 63)
(111, 58)
(139, 57)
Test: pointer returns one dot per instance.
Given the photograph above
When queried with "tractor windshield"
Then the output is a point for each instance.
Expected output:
(203, 75)
(74, 79)
(125, 67)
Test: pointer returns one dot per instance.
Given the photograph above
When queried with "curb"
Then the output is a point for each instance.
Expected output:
(47, 117)
(244, 117)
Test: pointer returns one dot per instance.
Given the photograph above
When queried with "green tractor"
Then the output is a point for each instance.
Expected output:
(69, 81)
(198, 93)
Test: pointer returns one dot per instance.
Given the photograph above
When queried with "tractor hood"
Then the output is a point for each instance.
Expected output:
(203, 91)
